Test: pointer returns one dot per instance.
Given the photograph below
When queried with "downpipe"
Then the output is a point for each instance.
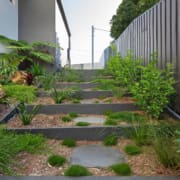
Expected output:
(176, 115)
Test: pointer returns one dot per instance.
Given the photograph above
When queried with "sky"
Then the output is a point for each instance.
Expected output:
(81, 15)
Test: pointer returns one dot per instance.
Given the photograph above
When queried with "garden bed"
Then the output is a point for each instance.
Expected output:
(145, 164)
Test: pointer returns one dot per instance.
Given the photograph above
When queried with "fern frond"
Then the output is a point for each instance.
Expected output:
(21, 48)
(43, 56)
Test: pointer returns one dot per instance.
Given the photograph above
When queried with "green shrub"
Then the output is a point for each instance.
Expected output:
(110, 122)
(20, 93)
(155, 88)
(76, 171)
(69, 142)
(132, 150)
(121, 169)
(73, 115)
(25, 116)
(66, 119)
(82, 124)
(56, 160)
(111, 140)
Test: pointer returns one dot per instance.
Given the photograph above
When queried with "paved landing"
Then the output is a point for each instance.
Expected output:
(96, 156)
(90, 119)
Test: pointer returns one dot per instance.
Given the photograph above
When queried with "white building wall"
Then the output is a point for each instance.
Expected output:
(8, 20)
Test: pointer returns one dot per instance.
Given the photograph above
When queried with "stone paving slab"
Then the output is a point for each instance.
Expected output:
(90, 178)
(91, 119)
(96, 156)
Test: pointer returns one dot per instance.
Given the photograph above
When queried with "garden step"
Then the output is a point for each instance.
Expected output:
(88, 133)
(96, 156)
(91, 178)
(84, 85)
(84, 94)
(84, 108)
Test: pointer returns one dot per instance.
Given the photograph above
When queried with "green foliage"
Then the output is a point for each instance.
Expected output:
(82, 124)
(121, 169)
(69, 142)
(155, 88)
(178, 141)
(110, 122)
(126, 116)
(36, 70)
(20, 93)
(65, 94)
(126, 12)
(27, 51)
(69, 75)
(25, 116)
(76, 171)
(132, 150)
(111, 140)
(56, 160)
(12, 144)
(126, 70)
(73, 115)
(165, 147)
(76, 101)
(47, 81)
(66, 119)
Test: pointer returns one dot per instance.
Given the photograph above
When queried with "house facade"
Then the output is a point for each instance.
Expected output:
(32, 20)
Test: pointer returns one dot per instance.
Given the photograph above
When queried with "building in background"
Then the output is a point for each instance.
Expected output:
(32, 20)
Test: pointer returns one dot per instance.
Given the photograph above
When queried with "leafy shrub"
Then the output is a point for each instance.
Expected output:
(69, 142)
(121, 169)
(73, 115)
(11, 144)
(66, 119)
(132, 150)
(155, 88)
(20, 93)
(25, 116)
(111, 140)
(76, 171)
(56, 160)
(110, 122)
(82, 124)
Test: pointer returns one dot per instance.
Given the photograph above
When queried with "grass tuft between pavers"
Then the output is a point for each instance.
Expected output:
(110, 140)
(69, 142)
(121, 169)
(82, 124)
(132, 150)
(76, 171)
(56, 160)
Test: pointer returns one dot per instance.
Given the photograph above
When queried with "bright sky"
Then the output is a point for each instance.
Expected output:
(81, 15)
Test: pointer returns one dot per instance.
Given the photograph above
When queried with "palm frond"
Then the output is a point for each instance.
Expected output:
(21, 48)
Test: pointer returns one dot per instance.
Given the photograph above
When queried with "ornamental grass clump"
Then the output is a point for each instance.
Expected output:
(56, 160)
(82, 124)
(76, 171)
(66, 119)
(110, 122)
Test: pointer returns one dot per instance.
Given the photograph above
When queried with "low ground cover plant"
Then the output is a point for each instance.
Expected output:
(111, 122)
(132, 150)
(69, 142)
(66, 119)
(76, 171)
(121, 169)
(20, 93)
(56, 160)
(73, 115)
(111, 140)
(82, 124)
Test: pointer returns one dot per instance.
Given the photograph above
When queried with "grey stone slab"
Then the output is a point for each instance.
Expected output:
(84, 108)
(96, 156)
(90, 178)
(90, 119)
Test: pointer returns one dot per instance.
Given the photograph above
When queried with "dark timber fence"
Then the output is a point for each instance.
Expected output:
(156, 30)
